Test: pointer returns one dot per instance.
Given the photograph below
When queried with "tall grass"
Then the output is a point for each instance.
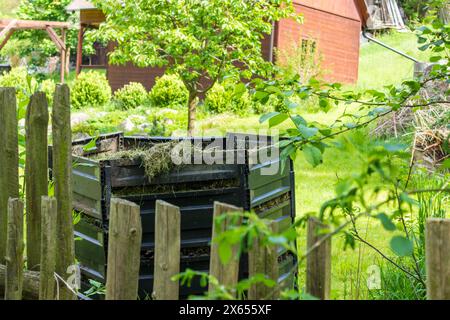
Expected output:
(396, 285)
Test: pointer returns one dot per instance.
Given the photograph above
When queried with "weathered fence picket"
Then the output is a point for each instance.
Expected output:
(318, 261)
(36, 173)
(124, 251)
(167, 251)
(14, 252)
(62, 177)
(437, 244)
(226, 274)
(48, 249)
(9, 160)
(30, 287)
(263, 260)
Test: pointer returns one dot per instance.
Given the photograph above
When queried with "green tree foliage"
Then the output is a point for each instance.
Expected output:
(416, 10)
(41, 46)
(201, 41)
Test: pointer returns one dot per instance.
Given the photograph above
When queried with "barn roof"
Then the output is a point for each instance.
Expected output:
(76, 5)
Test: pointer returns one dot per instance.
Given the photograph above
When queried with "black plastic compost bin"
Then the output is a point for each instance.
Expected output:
(194, 188)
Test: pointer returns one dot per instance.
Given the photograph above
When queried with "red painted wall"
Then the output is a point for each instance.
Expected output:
(337, 37)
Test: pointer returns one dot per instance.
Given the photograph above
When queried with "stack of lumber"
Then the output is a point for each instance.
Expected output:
(384, 14)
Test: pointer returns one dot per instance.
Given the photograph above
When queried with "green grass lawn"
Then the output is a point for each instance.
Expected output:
(379, 66)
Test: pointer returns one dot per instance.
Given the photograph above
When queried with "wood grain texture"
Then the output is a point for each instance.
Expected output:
(226, 274)
(437, 245)
(124, 248)
(14, 251)
(62, 177)
(263, 260)
(36, 173)
(30, 287)
(318, 262)
(48, 249)
(167, 251)
(9, 160)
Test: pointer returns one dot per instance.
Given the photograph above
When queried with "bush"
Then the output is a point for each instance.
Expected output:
(90, 89)
(228, 97)
(131, 96)
(168, 91)
(48, 87)
(19, 79)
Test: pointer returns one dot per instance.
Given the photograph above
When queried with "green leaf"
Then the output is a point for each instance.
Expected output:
(307, 132)
(225, 252)
(386, 222)
(435, 59)
(312, 155)
(268, 116)
(324, 104)
(299, 120)
(261, 95)
(277, 119)
(401, 246)
(239, 90)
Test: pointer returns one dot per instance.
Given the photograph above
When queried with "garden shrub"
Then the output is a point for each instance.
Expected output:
(227, 97)
(48, 87)
(168, 91)
(90, 89)
(19, 79)
(131, 96)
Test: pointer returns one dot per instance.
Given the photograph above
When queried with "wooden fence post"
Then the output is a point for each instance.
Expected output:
(14, 258)
(226, 274)
(437, 244)
(167, 251)
(62, 177)
(263, 259)
(30, 287)
(48, 249)
(124, 251)
(318, 262)
(36, 173)
(9, 160)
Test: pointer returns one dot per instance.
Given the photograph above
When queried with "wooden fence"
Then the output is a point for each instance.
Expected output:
(124, 249)
(49, 227)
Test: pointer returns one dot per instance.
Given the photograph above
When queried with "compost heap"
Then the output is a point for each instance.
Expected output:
(431, 125)
(155, 160)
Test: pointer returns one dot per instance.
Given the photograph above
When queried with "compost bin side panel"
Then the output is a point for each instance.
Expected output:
(88, 195)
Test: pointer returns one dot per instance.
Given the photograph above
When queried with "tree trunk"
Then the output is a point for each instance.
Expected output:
(192, 108)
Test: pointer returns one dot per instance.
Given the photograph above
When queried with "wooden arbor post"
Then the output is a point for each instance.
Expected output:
(9, 26)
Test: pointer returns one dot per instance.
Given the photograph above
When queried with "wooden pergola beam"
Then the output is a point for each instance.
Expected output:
(33, 24)
(8, 26)
(6, 38)
(56, 39)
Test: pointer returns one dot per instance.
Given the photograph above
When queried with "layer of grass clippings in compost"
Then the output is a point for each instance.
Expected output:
(156, 160)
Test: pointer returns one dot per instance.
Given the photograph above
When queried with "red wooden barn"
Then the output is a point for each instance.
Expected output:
(333, 25)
